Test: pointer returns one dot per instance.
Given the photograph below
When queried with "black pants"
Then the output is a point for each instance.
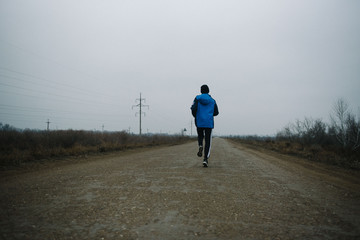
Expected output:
(205, 132)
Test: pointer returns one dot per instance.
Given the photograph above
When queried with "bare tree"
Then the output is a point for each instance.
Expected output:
(353, 131)
(309, 131)
(317, 131)
(338, 121)
(285, 133)
(345, 125)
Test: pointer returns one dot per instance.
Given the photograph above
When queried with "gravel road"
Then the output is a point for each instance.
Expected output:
(165, 193)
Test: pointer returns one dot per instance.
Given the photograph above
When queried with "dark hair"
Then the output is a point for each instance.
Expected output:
(205, 89)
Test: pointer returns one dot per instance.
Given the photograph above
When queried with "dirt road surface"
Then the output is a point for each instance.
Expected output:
(165, 193)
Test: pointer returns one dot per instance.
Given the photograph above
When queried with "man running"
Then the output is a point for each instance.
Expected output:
(204, 108)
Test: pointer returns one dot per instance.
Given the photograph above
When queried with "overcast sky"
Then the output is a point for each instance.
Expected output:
(83, 63)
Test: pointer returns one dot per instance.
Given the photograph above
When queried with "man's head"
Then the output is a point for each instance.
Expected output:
(205, 89)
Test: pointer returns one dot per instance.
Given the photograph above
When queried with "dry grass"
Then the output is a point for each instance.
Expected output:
(17, 147)
(325, 153)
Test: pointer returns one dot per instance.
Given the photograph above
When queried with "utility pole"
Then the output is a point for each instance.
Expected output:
(140, 105)
(48, 124)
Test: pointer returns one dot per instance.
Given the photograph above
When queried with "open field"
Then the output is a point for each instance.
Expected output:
(165, 193)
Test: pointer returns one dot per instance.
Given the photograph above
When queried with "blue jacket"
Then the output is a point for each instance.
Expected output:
(204, 108)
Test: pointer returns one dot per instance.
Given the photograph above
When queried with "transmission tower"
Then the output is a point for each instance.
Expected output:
(140, 105)
(48, 124)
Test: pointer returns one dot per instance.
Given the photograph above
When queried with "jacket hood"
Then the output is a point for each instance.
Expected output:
(204, 99)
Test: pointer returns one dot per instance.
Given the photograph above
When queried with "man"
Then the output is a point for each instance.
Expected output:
(204, 109)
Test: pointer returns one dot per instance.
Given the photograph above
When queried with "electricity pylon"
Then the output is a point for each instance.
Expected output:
(48, 124)
(140, 105)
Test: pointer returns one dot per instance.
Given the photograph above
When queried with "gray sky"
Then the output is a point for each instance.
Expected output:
(83, 63)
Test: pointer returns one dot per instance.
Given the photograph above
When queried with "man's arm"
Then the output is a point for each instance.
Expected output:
(216, 110)
(194, 107)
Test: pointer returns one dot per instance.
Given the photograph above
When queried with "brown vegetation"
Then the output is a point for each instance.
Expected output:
(337, 143)
(329, 154)
(19, 146)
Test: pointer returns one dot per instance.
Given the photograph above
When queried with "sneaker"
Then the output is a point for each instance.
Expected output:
(200, 151)
(205, 163)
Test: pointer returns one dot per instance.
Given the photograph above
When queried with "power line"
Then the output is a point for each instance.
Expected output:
(22, 118)
(52, 95)
(47, 81)
(22, 108)
(47, 59)
(52, 112)
(39, 90)
(140, 105)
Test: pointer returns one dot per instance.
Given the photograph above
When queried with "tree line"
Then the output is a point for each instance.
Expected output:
(336, 142)
(342, 131)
